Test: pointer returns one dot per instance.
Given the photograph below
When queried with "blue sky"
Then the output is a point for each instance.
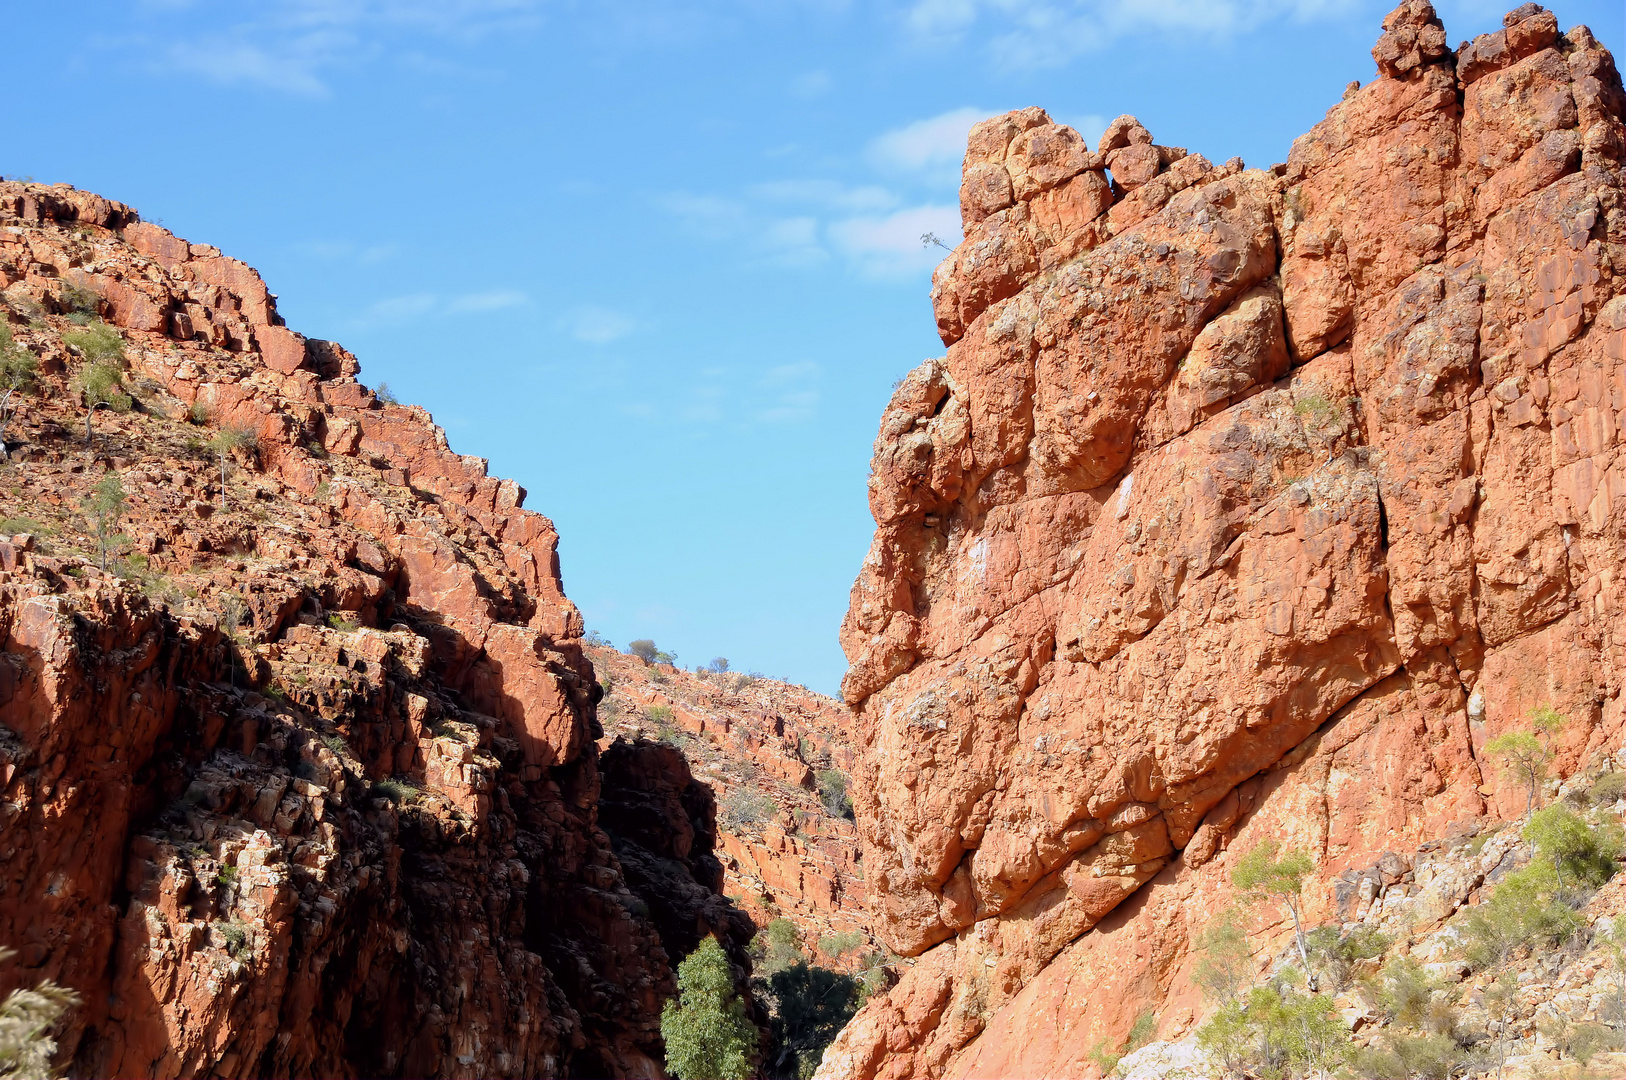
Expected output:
(657, 261)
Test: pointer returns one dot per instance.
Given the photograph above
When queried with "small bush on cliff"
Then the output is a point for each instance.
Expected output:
(833, 793)
(103, 509)
(26, 1019)
(837, 945)
(707, 1034)
(101, 383)
(229, 441)
(644, 649)
(18, 374)
(1225, 964)
(1335, 954)
(1277, 1032)
(744, 808)
(1524, 751)
(777, 947)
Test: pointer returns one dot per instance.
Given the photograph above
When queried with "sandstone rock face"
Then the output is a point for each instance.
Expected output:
(306, 782)
(1243, 504)
(763, 741)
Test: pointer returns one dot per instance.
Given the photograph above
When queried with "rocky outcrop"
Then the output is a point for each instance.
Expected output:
(300, 769)
(761, 747)
(1244, 504)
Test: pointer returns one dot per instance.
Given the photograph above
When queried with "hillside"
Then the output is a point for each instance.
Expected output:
(1246, 505)
(776, 757)
(297, 731)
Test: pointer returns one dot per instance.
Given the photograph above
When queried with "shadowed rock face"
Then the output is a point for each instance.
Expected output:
(314, 789)
(1243, 504)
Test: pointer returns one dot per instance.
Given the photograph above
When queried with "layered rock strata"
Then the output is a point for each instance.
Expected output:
(1244, 504)
(305, 781)
(759, 744)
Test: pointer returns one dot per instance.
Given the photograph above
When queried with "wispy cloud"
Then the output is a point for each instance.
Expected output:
(598, 325)
(346, 251)
(294, 46)
(933, 146)
(891, 246)
(408, 308)
(495, 300)
(1048, 33)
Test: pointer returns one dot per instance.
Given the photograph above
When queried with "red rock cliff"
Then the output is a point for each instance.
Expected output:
(306, 782)
(1243, 504)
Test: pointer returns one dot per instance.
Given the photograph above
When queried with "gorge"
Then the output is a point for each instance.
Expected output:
(1245, 505)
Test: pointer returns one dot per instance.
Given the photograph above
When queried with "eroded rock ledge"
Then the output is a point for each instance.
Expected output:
(1243, 503)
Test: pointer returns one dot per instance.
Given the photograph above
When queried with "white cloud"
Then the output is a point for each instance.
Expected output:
(598, 325)
(826, 194)
(396, 310)
(1047, 33)
(291, 46)
(488, 301)
(890, 246)
(926, 146)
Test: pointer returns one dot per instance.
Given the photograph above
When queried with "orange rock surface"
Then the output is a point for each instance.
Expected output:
(757, 738)
(305, 782)
(1243, 504)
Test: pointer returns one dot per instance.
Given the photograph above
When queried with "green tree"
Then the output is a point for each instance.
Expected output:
(1261, 874)
(707, 1034)
(1524, 755)
(26, 1019)
(229, 440)
(103, 509)
(644, 649)
(718, 665)
(101, 382)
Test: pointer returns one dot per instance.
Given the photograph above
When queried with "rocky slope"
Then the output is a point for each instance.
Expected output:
(1245, 504)
(767, 750)
(305, 781)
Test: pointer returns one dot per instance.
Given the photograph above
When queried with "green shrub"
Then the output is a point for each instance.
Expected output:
(707, 1034)
(397, 791)
(226, 875)
(78, 300)
(1607, 789)
(644, 649)
(1582, 856)
(1335, 955)
(746, 807)
(236, 935)
(385, 395)
(837, 945)
(777, 947)
(1225, 964)
(103, 509)
(833, 793)
(1276, 1032)
(343, 621)
(101, 385)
